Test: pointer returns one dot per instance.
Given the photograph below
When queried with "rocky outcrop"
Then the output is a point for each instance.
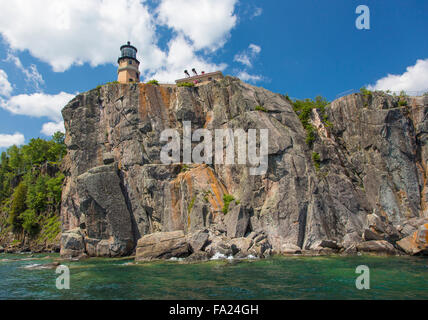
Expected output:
(417, 243)
(162, 245)
(377, 246)
(200, 245)
(369, 182)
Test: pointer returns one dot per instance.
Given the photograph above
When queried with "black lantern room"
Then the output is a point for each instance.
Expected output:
(128, 52)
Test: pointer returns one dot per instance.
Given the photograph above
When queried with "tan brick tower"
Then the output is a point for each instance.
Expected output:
(128, 70)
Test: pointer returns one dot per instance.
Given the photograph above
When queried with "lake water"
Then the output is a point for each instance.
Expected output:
(274, 278)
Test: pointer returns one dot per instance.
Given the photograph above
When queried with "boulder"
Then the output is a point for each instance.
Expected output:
(162, 245)
(376, 223)
(242, 244)
(377, 246)
(369, 235)
(417, 243)
(198, 240)
(72, 244)
(1, 249)
(379, 228)
(261, 249)
(331, 244)
(289, 248)
(220, 245)
(237, 220)
(411, 226)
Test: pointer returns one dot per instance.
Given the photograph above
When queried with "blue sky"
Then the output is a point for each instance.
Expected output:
(304, 48)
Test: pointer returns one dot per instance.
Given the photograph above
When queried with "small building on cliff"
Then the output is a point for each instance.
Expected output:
(200, 78)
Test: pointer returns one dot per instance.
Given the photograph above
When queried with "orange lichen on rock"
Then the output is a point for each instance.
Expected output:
(166, 97)
(176, 206)
(198, 178)
(208, 119)
(218, 189)
(416, 243)
(142, 108)
(421, 236)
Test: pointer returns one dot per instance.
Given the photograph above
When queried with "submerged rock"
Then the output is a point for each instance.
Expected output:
(52, 265)
(289, 248)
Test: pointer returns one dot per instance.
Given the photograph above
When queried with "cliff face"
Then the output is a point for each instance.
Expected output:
(369, 182)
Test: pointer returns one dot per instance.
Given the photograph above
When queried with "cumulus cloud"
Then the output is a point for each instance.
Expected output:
(246, 58)
(5, 87)
(245, 76)
(32, 75)
(72, 32)
(8, 140)
(206, 22)
(37, 105)
(50, 128)
(414, 79)
(181, 56)
(248, 55)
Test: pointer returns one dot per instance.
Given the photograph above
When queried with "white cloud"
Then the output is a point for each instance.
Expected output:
(255, 48)
(245, 76)
(50, 128)
(206, 22)
(181, 56)
(72, 32)
(257, 12)
(248, 55)
(37, 105)
(8, 140)
(243, 58)
(414, 79)
(246, 58)
(5, 87)
(32, 75)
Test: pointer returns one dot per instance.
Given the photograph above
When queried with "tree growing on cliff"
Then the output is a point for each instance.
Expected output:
(303, 109)
(18, 206)
(29, 194)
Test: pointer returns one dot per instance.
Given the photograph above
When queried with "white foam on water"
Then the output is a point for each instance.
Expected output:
(176, 259)
(30, 266)
(220, 256)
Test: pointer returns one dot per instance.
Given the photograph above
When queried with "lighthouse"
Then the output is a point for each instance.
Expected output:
(128, 70)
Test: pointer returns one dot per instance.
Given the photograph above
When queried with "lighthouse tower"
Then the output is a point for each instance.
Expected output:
(128, 70)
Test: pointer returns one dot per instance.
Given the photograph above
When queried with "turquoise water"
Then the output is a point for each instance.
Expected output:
(275, 278)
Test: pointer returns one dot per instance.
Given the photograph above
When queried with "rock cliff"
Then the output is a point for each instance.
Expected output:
(367, 183)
